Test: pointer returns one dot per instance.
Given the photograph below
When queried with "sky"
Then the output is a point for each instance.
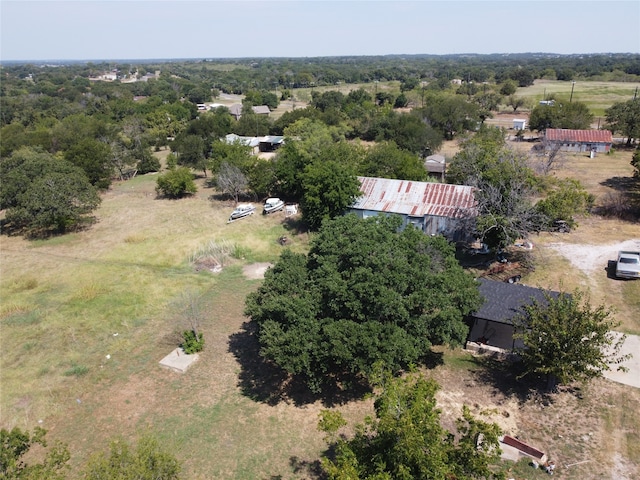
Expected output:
(169, 29)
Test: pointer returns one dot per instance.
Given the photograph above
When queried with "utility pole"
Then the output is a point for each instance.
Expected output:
(573, 84)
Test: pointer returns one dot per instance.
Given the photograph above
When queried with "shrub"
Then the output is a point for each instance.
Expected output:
(176, 183)
(192, 342)
(148, 164)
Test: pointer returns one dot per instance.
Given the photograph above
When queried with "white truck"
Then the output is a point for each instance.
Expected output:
(628, 264)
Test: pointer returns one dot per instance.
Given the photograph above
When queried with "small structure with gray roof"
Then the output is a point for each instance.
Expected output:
(493, 323)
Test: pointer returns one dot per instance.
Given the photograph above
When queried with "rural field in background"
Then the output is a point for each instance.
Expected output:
(118, 289)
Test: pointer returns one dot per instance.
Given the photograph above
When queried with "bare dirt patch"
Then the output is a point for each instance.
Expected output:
(255, 271)
(591, 258)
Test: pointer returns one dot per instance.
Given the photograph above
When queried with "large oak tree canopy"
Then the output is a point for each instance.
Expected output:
(364, 294)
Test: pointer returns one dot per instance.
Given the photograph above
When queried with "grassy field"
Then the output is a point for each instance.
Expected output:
(119, 287)
(597, 95)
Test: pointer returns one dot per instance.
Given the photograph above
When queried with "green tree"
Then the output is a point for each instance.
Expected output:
(509, 87)
(515, 102)
(15, 444)
(146, 461)
(408, 131)
(329, 188)
(568, 198)
(401, 101)
(365, 293)
(450, 114)
(406, 441)
(237, 154)
(568, 340)
(624, 118)
(94, 158)
(386, 160)
(305, 140)
(42, 193)
(191, 151)
(571, 115)
(176, 183)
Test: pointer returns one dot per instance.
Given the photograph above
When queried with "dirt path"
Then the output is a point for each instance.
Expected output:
(593, 258)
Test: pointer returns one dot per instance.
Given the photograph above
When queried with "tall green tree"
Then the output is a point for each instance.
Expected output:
(406, 441)
(329, 187)
(305, 140)
(365, 293)
(568, 340)
(450, 114)
(94, 157)
(191, 151)
(571, 115)
(386, 160)
(624, 118)
(43, 193)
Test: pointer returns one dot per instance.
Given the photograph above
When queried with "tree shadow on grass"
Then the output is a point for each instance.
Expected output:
(310, 468)
(623, 184)
(263, 381)
(502, 374)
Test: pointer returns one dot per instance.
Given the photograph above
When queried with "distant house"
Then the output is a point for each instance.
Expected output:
(598, 141)
(436, 165)
(261, 110)
(252, 142)
(236, 110)
(492, 325)
(434, 208)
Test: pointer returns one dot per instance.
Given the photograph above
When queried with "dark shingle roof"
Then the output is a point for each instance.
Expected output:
(503, 301)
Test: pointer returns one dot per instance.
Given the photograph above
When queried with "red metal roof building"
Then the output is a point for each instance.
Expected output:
(579, 140)
(435, 208)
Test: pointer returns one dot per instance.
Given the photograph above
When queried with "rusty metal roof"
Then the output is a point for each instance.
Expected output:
(578, 136)
(416, 199)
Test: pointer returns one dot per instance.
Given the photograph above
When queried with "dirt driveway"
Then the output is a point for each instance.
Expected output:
(592, 260)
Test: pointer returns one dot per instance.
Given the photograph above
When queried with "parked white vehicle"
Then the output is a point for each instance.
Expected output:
(242, 210)
(272, 205)
(628, 264)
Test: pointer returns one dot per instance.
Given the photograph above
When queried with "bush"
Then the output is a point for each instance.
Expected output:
(148, 164)
(176, 183)
(193, 342)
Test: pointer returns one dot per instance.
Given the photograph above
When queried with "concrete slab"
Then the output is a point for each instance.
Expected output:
(178, 361)
(632, 377)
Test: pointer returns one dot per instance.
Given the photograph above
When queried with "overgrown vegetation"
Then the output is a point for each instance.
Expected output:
(14, 448)
(406, 440)
(92, 285)
(364, 294)
(568, 340)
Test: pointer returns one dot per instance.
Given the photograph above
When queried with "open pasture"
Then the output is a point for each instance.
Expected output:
(118, 289)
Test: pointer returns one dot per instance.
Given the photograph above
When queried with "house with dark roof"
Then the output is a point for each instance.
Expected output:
(434, 208)
(597, 141)
(492, 325)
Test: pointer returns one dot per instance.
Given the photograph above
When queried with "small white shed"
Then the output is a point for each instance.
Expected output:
(519, 124)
